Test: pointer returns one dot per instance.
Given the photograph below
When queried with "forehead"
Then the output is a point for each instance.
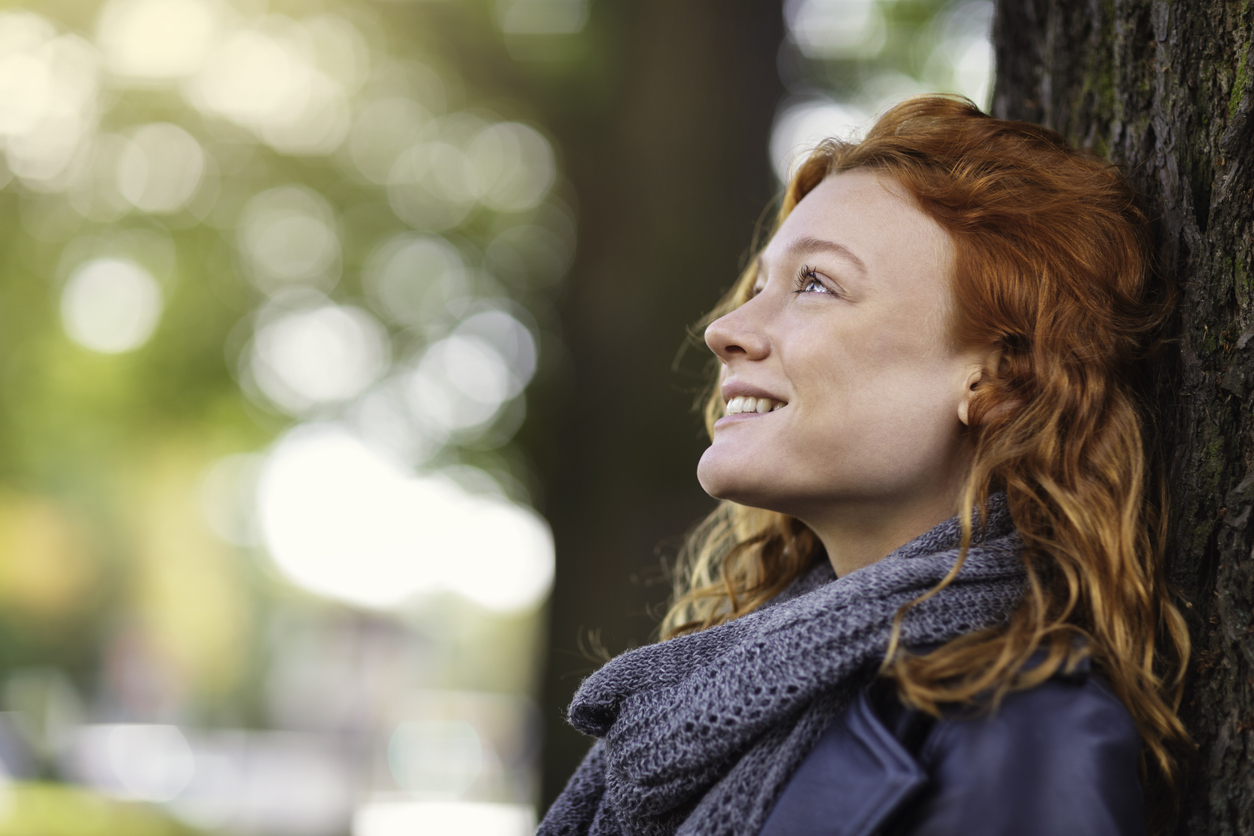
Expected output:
(872, 216)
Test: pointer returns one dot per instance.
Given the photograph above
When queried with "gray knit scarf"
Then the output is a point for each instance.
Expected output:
(699, 734)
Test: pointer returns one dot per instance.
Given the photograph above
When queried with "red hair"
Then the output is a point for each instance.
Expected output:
(1052, 267)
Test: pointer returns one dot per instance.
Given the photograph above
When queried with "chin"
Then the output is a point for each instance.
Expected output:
(711, 477)
(723, 479)
(719, 477)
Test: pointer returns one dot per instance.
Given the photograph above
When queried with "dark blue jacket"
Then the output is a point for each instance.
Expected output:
(1060, 759)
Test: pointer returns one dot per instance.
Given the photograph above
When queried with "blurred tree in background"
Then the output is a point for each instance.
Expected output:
(316, 316)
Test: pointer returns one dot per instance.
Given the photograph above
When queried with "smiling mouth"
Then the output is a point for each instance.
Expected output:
(740, 405)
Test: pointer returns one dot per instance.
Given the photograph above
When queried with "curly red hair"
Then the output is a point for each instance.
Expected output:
(1053, 268)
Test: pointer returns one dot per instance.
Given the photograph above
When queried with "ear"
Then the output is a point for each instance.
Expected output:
(989, 361)
(964, 405)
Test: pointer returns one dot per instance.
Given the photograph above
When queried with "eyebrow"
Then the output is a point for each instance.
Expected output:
(809, 245)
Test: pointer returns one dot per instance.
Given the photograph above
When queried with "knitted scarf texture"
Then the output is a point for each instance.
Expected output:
(699, 734)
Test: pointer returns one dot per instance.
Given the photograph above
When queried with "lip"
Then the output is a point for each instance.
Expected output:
(741, 416)
(737, 389)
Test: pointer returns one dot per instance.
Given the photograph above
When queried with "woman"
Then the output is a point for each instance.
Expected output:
(930, 600)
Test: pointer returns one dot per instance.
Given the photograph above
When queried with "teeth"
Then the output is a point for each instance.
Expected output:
(739, 404)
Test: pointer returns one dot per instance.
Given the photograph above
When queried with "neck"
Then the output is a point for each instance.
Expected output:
(860, 533)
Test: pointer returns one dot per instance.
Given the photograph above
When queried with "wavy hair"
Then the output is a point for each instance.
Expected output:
(1052, 266)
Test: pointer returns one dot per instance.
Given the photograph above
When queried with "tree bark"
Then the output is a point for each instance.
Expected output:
(1164, 89)
(666, 150)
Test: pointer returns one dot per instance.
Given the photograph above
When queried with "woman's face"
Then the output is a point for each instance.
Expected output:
(846, 340)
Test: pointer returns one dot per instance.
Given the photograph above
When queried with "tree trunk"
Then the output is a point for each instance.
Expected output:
(1164, 89)
(666, 149)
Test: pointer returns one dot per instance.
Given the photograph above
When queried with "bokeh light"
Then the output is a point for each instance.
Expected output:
(293, 262)
(150, 40)
(110, 305)
(341, 520)
(836, 28)
(287, 81)
(160, 168)
(387, 818)
(48, 97)
(845, 61)
(413, 278)
(805, 122)
(513, 166)
(315, 354)
(459, 383)
(432, 186)
(287, 236)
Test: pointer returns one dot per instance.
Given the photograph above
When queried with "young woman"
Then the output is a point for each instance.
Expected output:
(930, 601)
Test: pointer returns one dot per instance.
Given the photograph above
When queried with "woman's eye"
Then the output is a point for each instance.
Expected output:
(808, 282)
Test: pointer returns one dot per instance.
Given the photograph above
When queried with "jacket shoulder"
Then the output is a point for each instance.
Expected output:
(1061, 757)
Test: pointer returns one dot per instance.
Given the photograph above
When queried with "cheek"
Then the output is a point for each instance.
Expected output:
(903, 359)
(894, 398)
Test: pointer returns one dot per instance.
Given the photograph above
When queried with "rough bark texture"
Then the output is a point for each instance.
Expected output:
(1164, 88)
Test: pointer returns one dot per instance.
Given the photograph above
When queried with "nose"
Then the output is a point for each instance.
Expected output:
(738, 334)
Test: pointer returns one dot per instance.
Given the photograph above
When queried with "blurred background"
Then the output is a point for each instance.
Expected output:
(346, 389)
